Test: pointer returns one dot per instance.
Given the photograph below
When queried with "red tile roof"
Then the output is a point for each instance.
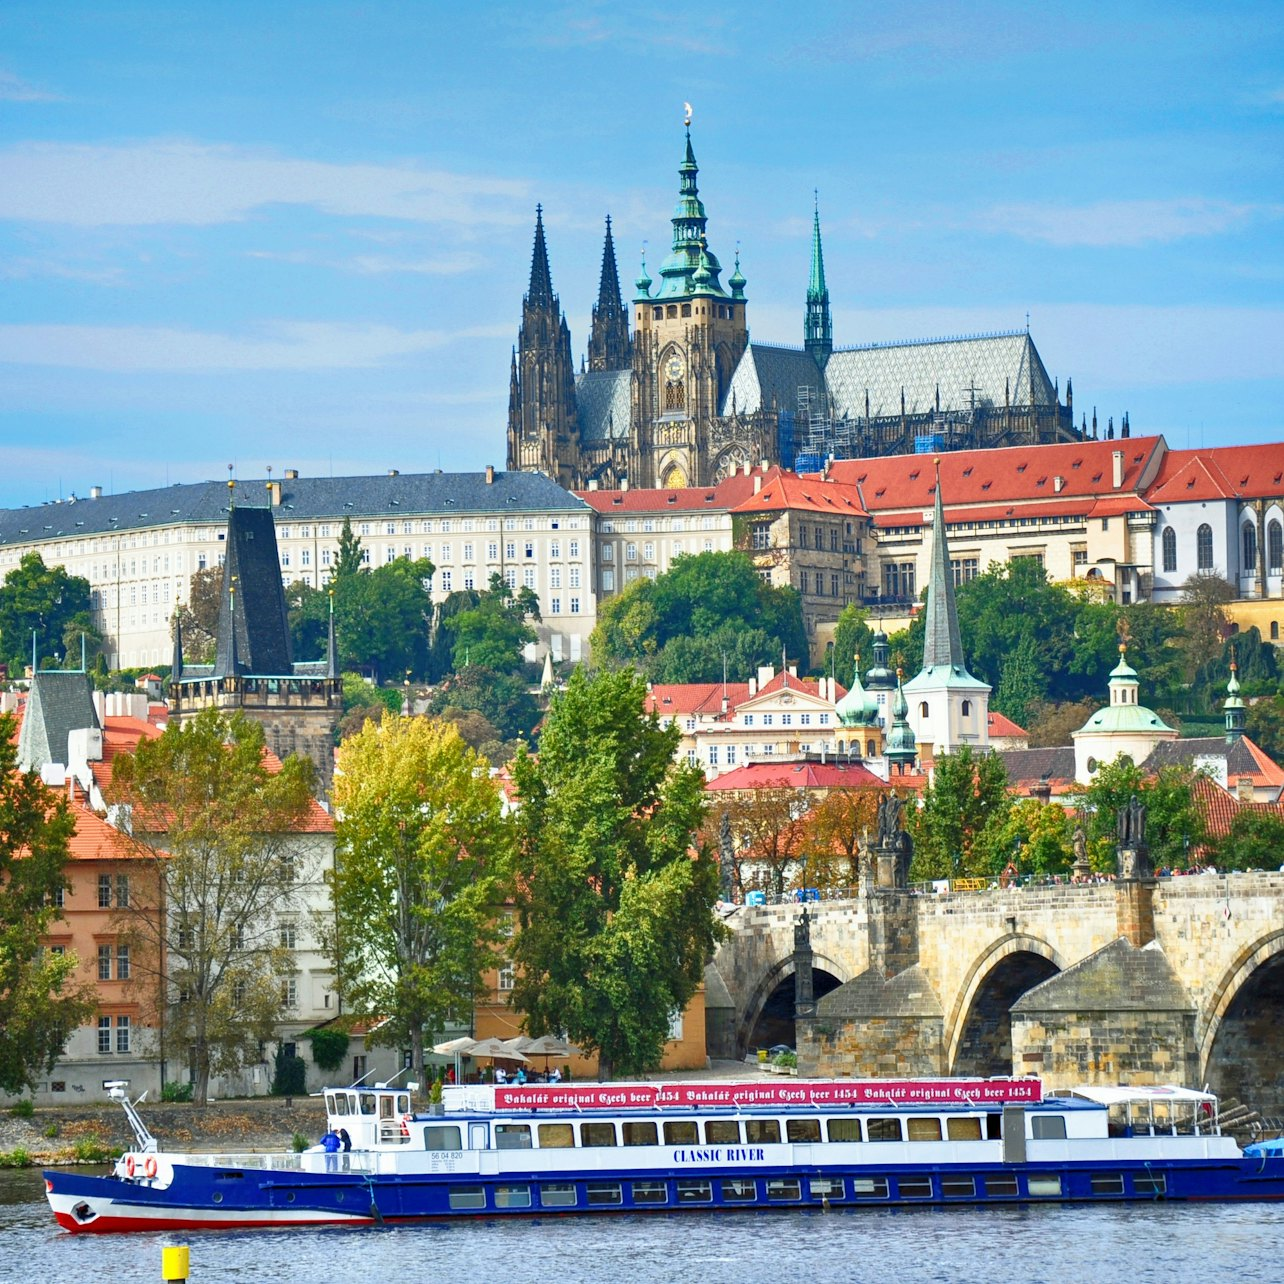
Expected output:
(998, 725)
(1222, 472)
(799, 775)
(784, 490)
(688, 699)
(723, 496)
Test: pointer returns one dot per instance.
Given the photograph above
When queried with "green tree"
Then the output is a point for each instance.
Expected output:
(502, 698)
(421, 869)
(198, 617)
(730, 649)
(1174, 820)
(1037, 837)
(1021, 682)
(43, 600)
(1255, 841)
(1265, 724)
(40, 1000)
(1204, 622)
(350, 560)
(968, 793)
(615, 891)
(1257, 670)
(852, 637)
(218, 836)
(364, 702)
(495, 631)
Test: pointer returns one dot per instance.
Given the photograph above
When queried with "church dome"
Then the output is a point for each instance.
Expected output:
(856, 708)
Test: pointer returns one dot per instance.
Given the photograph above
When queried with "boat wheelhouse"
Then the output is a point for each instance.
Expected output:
(495, 1151)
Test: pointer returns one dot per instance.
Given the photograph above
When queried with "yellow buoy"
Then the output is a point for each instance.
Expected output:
(174, 1263)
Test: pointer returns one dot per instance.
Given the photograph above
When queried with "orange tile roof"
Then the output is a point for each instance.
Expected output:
(784, 490)
(1222, 472)
(1006, 475)
(686, 699)
(999, 725)
(799, 775)
(94, 838)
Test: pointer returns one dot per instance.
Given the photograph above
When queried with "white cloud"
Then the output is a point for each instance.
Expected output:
(26, 269)
(282, 346)
(1121, 223)
(14, 89)
(379, 264)
(183, 182)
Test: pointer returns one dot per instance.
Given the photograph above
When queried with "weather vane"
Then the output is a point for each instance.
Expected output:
(686, 110)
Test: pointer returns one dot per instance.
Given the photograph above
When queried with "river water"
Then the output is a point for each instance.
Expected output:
(1168, 1242)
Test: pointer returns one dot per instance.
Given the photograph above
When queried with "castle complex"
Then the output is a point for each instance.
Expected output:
(686, 399)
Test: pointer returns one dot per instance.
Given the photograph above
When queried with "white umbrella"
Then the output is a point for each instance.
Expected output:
(496, 1049)
(455, 1047)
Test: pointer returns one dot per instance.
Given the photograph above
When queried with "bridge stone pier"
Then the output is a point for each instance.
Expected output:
(1142, 981)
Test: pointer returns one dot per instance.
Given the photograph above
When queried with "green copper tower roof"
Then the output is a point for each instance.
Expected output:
(856, 708)
(1124, 715)
(818, 329)
(1234, 706)
(690, 267)
(900, 747)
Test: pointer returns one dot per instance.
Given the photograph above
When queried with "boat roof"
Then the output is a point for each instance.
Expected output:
(1111, 1094)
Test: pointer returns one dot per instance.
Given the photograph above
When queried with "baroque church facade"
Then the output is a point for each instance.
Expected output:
(673, 393)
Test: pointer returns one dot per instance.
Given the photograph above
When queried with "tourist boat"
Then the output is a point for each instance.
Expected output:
(539, 1149)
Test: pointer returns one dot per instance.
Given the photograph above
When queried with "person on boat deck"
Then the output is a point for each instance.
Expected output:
(450, 1074)
(555, 1075)
(501, 1075)
(521, 1074)
(331, 1143)
(344, 1139)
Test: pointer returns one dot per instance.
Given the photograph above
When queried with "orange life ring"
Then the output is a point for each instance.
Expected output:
(405, 1125)
(129, 1165)
(149, 1168)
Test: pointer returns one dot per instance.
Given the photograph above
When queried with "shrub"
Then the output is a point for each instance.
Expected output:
(289, 1075)
(51, 1131)
(23, 1109)
(18, 1158)
(786, 1059)
(177, 1092)
(298, 1143)
(329, 1046)
(88, 1151)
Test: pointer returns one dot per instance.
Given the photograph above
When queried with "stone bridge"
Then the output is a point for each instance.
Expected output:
(1172, 980)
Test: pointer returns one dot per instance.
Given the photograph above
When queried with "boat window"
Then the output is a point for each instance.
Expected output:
(330, 1106)
(442, 1137)
(722, 1132)
(556, 1136)
(869, 1187)
(1151, 1183)
(738, 1190)
(467, 1197)
(1107, 1183)
(954, 1187)
(784, 1188)
(367, 1103)
(639, 1134)
(512, 1196)
(603, 1192)
(557, 1194)
(693, 1190)
(994, 1127)
(802, 1129)
(1048, 1127)
(1163, 1117)
(385, 1107)
(1045, 1185)
(1117, 1120)
(1002, 1185)
(963, 1129)
(597, 1134)
(762, 1130)
(914, 1187)
(843, 1129)
(512, 1136)
(826, 1188)
(883, 1129)
(1184, 1117)
(924, 1128)
(682, 1132)
(650, 1192)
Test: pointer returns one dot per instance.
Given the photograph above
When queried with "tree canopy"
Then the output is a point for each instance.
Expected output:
(421, 872)
(702, 597)
(46, 601)
(218, 836)
(1175, 822)
(968, 794)
(41, 1002)
(495, 630)
(614, 888)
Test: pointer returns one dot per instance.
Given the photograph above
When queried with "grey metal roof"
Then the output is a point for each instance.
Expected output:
(768, 377)
(302, 499)
(1183, 753)
(970, 372)
(604, 400)
(1052, 763)
(59, 702)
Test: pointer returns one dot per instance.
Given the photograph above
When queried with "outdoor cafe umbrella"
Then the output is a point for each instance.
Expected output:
(457, 1048)
(496, 1050)
(549, 1045)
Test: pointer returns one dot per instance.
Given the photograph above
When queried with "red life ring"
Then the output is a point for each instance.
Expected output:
(129, 1165)
(149, 1168)
(405, 1125)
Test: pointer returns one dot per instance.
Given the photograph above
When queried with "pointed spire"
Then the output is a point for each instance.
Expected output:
(176, 665)
(541, 286)
(609, 347)
(608, 289)
(331, 649)
(736, 280)
(900, 747)
(818, 330)
(942, 644)
(1234, 706)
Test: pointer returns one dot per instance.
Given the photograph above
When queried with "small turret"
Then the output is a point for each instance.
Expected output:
(818, 330)
(1234, 706)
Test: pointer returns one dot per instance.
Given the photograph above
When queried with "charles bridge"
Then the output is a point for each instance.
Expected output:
(1172, 980)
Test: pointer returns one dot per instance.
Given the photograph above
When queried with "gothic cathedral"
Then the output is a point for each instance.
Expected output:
(686, 399)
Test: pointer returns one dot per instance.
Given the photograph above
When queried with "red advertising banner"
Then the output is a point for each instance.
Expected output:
(794, 1092)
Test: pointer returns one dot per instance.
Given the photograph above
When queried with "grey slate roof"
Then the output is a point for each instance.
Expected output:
(767, 376)
(1183, 753)
(302, 499)
(1056, 763)
(1117, 978)
(58, 703)
(605, 405)
(907, 994)
(253, 630)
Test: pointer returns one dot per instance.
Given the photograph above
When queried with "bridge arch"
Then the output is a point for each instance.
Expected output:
(1241, 1052)
(998, 977)
(827, 975)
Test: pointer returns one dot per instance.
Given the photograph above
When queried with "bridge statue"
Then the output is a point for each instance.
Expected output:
(1130, 831)
(726, 858)
(895, 846)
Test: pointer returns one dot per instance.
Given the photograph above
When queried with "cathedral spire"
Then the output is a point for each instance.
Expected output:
(609, 347)
(541, 286)
(690, 253)
(942, 644)
(818, 330)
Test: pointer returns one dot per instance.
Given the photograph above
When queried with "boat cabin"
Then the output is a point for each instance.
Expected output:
(372, 1117)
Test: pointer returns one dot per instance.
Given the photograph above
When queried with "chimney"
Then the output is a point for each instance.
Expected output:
(793, 670)
(1117, 458)
(1244, 789)
(594, 484)
(746, 468)
(490, 474)
(1058, 484)
(765, 674)
(753, 686)
(725, 704)
(392, 472)
(274, 493)
(757, 484)
(764, 465)
(95, 492)
(291, 474)
(624, 483)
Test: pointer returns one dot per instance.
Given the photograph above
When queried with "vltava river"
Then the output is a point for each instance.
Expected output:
(1168, 1242)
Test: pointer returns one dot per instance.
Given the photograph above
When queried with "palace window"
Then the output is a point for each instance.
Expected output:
(1169, 542)
(1204, 548)
(1275, 546)
(1249, 539)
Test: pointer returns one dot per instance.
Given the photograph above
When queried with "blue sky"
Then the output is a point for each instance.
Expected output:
(298, 234)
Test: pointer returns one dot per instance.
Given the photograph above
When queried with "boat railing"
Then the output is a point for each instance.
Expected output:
(312, 1161)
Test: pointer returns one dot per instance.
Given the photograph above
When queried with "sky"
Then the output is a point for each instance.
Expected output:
(297, 235)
